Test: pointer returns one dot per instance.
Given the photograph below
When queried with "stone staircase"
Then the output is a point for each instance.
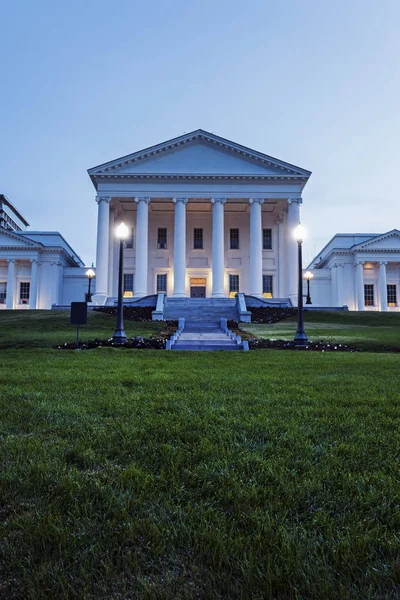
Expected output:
(200, 310)
(204, 336)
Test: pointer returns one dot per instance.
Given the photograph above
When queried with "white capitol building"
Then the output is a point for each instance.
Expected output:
(208, 218)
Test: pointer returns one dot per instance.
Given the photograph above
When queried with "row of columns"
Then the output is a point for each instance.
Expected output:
(11, 280)
(382, 285)
(218, 257)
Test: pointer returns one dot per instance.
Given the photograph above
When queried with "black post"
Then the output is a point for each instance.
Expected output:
(119, 336)
(300, 339)
(308, 301)
(89, 295)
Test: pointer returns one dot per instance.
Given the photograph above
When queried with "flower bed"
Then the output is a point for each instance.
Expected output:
(132, 313)
(155, 342)
(270, 314)
(321, 346)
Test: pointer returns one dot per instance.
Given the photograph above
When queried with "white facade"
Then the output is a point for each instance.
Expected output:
(208, 218)
(204, 213)
(364, 270)
(37, 270)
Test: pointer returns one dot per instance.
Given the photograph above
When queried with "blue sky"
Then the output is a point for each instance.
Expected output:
(312, 82)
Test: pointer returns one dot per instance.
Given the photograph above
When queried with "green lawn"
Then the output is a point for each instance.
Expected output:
(151, 474)
(369, 331)
(44, 328)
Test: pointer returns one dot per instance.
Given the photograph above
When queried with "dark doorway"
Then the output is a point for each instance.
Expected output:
(197, 291)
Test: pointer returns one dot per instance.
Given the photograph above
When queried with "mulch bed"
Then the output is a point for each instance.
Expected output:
(132, 313)
(270, 315)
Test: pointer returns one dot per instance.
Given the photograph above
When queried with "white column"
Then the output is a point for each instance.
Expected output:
(279, 252)
(383, 285)
(339, 283)
(33, 286)
(218, 254)
(292, 257)
(180, 247)
(10, 284)
(334, 286)
(111, 239)
(142, 243)
(103, 233)
(255, 246)
(360, 285)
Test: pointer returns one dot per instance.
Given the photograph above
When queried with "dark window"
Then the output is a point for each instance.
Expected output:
(233, 284)
(267, 239)
(24, 291)
(162, 283)
(369, 294)
(267, 286)
(129, 241)
(162, 238)
(391, 295)
(3, 292)
(234, 239)
(128, 285)
(198, 239)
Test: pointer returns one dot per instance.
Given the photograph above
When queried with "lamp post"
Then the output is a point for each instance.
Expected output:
(119, 337)
(308, 276)
(89, 274)
(300, 339)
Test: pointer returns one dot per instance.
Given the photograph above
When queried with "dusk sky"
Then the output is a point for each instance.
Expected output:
(311, 82)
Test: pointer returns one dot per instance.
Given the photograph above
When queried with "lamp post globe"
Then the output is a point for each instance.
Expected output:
(89, 274)
(308, 276)
(119, 337)
(300, 339)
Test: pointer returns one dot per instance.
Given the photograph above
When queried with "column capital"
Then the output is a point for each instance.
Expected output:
(279, 221)
(383, 262)
(359, 262)
(220, 199)
(11, 260)
(106, 199)
(184, 200)
(142, 199)
(34, 260)
(253, 200)
(295, 200)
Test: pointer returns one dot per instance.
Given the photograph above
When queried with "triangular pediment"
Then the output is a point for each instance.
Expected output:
(386, 241)
(199, 153)
(11, 239)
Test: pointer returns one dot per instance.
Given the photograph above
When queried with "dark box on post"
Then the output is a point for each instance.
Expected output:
(78, 313)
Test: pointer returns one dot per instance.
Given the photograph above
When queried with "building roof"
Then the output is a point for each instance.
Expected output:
(5, 200)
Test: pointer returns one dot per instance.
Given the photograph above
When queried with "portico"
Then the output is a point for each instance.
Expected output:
(199, 207)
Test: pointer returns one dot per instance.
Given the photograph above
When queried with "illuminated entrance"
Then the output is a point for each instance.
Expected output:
(197, 287)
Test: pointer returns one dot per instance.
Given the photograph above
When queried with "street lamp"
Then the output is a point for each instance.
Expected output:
(300, 339)
(308, 276)
(89, 274)
(119, 337)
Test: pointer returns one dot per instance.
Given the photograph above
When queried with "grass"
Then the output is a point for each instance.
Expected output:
(44, 328)
(369, 331)
(148, 474)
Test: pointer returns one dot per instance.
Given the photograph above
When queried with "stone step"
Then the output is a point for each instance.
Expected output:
(204, 347)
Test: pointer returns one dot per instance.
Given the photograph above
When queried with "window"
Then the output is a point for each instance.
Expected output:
(162, 238)
(129, 241)
(234, 239)
(128, 285)
(3, 292)
(369, 294)
(391, 295)
(233, 285)
(162, 283)
(24, 289)
(267, 239)
(267, 286)
(198, 239)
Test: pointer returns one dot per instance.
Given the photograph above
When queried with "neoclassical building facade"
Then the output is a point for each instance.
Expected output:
(208, 217)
